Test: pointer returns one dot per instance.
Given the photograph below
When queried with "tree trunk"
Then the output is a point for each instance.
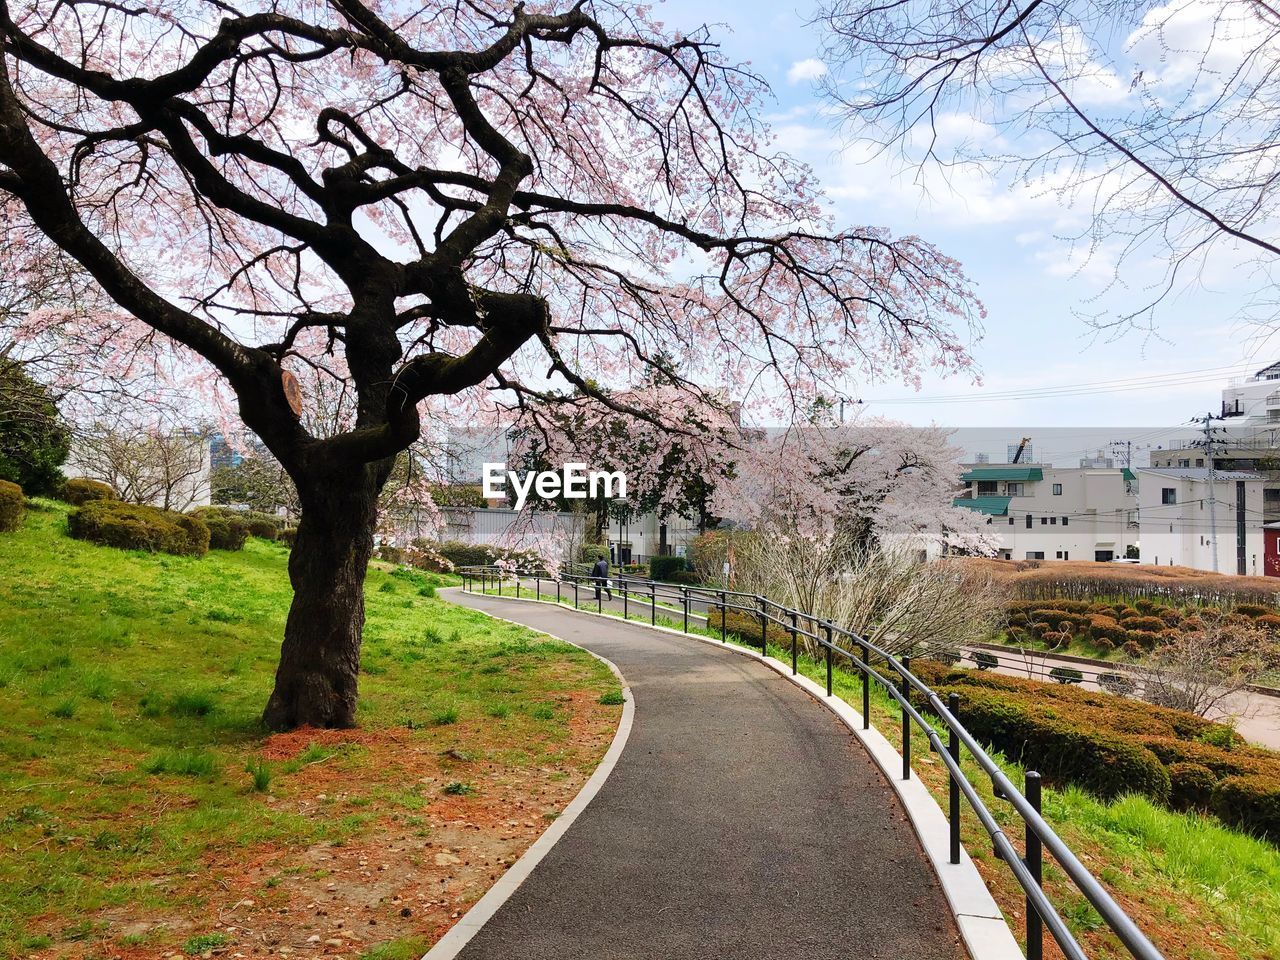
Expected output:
(316, 681)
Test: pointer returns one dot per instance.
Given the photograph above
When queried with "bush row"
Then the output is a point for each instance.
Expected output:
(131, 526)
(1111, 745)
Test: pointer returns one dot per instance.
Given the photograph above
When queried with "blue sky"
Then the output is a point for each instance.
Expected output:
(1011, 243)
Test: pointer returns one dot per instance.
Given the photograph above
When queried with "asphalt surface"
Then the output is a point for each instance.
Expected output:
(742, 821)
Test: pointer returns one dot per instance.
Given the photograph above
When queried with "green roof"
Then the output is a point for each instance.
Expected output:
(1007, 472)
(995, 506)
(1129, 475)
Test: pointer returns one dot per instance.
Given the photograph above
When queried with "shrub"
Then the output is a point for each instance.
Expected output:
(985, 661)
(1098, 760)
(1148, 624)
(1254, 610)
(13, 506)
(587, 553)
(1053, 640)
(686, 578)
(288, 535)
(1131, 649)
(1145, 639)
(131, 526)
(226, 532)
(1170, 616)
(661, 568)
(263, 529)
(1120, 684)
(1269, 621)
(1252, 803)
(80, 490)
(1190, 786)
(1103, 627)
(1066, 675)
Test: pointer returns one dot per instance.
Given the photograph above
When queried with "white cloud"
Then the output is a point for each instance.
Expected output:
(806, 70)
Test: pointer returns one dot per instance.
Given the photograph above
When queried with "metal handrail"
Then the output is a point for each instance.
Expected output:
(1039, 836)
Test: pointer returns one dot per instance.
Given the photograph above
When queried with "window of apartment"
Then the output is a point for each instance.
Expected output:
(1053, 521)
(1064, 521)
(1063, 555)
(1044, 521)
(1035, 554)
(1028, 521)
(1271, 496)
(1057, 489)
(1184, 463)
(1058, 555)
(1168, 494)
(1015, 490)
(987, 488)
(1011, 521)
(1199, 461)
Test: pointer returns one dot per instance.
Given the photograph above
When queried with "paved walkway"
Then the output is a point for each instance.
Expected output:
(742, 821)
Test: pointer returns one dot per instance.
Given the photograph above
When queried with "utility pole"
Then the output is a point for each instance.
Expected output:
(1127, 445)
(1208, 444)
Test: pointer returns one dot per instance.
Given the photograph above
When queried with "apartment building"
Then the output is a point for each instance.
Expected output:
(1185, 517)
(1043, 512)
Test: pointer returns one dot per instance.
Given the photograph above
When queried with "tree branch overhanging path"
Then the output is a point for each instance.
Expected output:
(428, 202)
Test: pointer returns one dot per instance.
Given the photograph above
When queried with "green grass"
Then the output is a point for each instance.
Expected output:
(131, 747)
(1199, 889)
(409, 948)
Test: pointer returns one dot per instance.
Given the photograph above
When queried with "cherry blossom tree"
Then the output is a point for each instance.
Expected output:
(868, 482)
(417, 205)
(1160, 115)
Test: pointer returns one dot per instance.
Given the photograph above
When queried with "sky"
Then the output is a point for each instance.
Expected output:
(1013, 245)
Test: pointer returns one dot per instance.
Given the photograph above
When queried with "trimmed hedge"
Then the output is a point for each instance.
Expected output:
(78, 491)
(225, 533)
(257, 523)
(288, 535)
(1111, 745)
(591, 552)
(131, 526)
(662, 568)
(13, 506)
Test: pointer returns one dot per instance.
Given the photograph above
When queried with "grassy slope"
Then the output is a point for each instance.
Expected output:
(1201, 891)
(131, 685)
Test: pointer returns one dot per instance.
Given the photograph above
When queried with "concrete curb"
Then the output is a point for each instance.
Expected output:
(460, 934)
(985, 932)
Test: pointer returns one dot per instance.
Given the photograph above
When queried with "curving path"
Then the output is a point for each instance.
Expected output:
(742, 821)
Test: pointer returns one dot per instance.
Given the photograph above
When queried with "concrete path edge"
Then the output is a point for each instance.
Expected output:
(983, 927)
(480, 912)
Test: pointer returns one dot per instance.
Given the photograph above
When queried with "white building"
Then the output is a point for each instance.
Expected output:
(1055, 513)
(1176, 505)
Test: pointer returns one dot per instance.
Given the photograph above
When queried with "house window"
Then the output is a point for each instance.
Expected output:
(1015, 490)
(1044, 521)
(1168, 495)
(1066, 555)
(1053, 521)
(1184, 463)
(986, 488)
(1200, 461)
(1028, 521)
(1035, 554)
(1057, 489)
(1011, 521)
(1058, 555)
(1064, 521)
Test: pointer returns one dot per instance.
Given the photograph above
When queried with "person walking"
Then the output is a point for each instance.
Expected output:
(600, 574)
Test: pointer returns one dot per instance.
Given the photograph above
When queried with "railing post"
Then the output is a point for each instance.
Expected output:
(826, 629)
(866, 687)
(795, 643)
(1034, 862)
(724, 613)
(653, 603)
(764, 627)
(537, 585)
(517, 586)
(498, 577)
(600, 588)
(557, 589)
(953, 748)
(906, 720)
(575, 594)
(626, 593)
(684, 600)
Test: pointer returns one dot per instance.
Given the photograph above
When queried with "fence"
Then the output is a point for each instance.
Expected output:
(838, 643)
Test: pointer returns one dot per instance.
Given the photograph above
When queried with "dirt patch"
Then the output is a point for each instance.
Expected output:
(443, 812)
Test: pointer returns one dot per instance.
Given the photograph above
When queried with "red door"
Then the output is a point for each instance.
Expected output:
(1271, 553)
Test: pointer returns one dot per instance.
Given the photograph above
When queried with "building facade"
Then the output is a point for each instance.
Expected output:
(1187, 515)
(1055, 513)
